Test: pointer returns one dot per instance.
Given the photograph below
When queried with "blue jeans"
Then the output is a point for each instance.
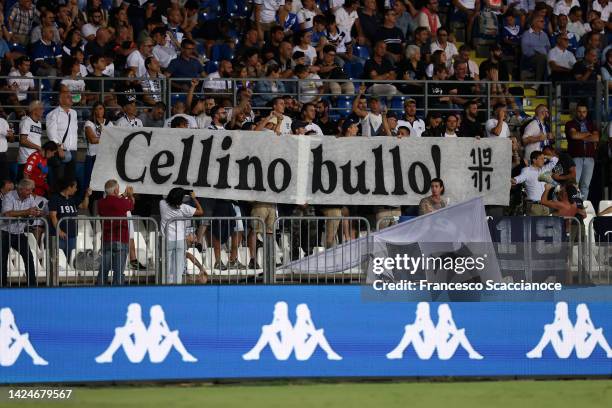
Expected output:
(584, 173)
(114, 255)
(175, 261)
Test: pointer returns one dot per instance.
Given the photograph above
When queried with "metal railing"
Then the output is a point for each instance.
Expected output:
(24, 256)
(95, 246)
(599, 250)
(319, 250)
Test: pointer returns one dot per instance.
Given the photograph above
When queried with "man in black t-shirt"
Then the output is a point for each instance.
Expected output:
(470, 126)
(565, 170)
(391, 35)
(380, 68)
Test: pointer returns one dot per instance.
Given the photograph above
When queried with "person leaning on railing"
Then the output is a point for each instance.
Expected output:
(18, 204)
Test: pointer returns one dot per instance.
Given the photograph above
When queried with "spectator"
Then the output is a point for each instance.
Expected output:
(264, 15)
(128, 117)
(415, 125)
(62, 128)
(21, 78)
(511, 37)
(346, 15)
(171, 207)
(467, 11)
(136, 59)
(179, 109)
(442, 43)
(536, 135)
(530, 176)
(115, 232)
(266, 89)
(434, 127)
(95, 22)
(604, 7)
(587, 69)
(563, 7)
(330, 70)
(303, 41)
(64, 204)
(535, 46)
(412, 68)
(435, 201)
(464, 90)
(6, 135)
(406, 17)
(6, 186)
(328, 126)
(310, 85)
(497, 126)
(152, 82)
(307, 13)
(421, 40)
(186, 65)
(71, 70)
(391, 35)
(218, 118)
(582, 138)
(428, 17)
(154, 117)
(591, 40)
(495, 59)
(370, 122)
(341, 41)
(560, 204)
(163, 49)
(561, 60)
(450, 130)
(606, 68)
(380, 68)
(18, 204)
(93, 131)
(30, 134)
(369, 22)
(437, 58)
(572, 41)
(309, 114)
(473, 71)
(47, 55)
(565, 170)
(215, 84)
(20, 21)
(36, 168)
(470, 126)
(47, 19)
(179, 122)
(101, 45)
(97, 82)
(439, 93)
(576, 24)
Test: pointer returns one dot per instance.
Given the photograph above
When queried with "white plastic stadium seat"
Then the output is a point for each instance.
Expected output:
(603, 204)
(589, 207)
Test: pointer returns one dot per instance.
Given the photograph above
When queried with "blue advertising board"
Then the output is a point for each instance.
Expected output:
(195, 332)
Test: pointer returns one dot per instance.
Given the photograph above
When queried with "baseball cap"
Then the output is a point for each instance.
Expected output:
(126, 98)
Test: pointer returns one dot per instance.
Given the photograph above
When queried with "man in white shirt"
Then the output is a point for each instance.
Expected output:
(497, 126)
(428, 17)
(23, 85)
(30, 134)
(90, 29)
(136, 59)
(371, 122)
(443, 44)
(179, 109)
(306, 14)
(309, 114)
(163, 50)
(415, 125)
(564, 7)
(214, 83)
(278, 106)
(347, 15)
(63, 128)
(128, 119)
(536, 136)
(604, 7)
(265, 15)
(561, 60)
(535, 188)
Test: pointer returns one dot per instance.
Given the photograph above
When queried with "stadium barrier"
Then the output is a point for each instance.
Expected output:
(24, 256)
(215, 250)
(298, 250)
(314, 250)
(195, 332)
(93, 245)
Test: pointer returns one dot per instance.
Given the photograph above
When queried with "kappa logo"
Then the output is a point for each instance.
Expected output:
(565, 337)
(426, 338)
(12, 342)
(303, 338)
(137, 340)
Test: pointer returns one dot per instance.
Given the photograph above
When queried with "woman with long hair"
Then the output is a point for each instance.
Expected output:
(93, 131)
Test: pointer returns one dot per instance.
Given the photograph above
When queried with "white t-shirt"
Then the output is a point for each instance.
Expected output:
(310, 53)
(492, 124)
(450, 134)
(344, 20)
(605, 11)
(450, 50)
(176, 229)
(561, 8)
(23, 84)
(315, 127)
(58, 120)
(416, 128)
(124, 121)
(532, 129)
(4, 128)
(268, 9)
(305, 17)
(370, 124)
(565, 59)
(164, 55)
(136, 60)
(33, 130)
(285, 128)
(92, 149)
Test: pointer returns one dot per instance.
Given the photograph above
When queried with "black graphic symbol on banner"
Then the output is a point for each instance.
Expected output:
(481, 161)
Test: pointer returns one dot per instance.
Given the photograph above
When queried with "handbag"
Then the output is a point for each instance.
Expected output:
(67, 153)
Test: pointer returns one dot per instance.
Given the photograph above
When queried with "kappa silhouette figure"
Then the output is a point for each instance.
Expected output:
(426, 338)
(283, 338)
(136, 339)
(12, 342)
(563, 337)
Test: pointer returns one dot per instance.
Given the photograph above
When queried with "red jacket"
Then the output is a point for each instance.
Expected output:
(36, 169)
(580, 148)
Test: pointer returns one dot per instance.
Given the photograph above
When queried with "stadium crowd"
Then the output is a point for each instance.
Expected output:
(310, 67)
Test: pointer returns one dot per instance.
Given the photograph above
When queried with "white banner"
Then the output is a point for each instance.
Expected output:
(259, 166)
